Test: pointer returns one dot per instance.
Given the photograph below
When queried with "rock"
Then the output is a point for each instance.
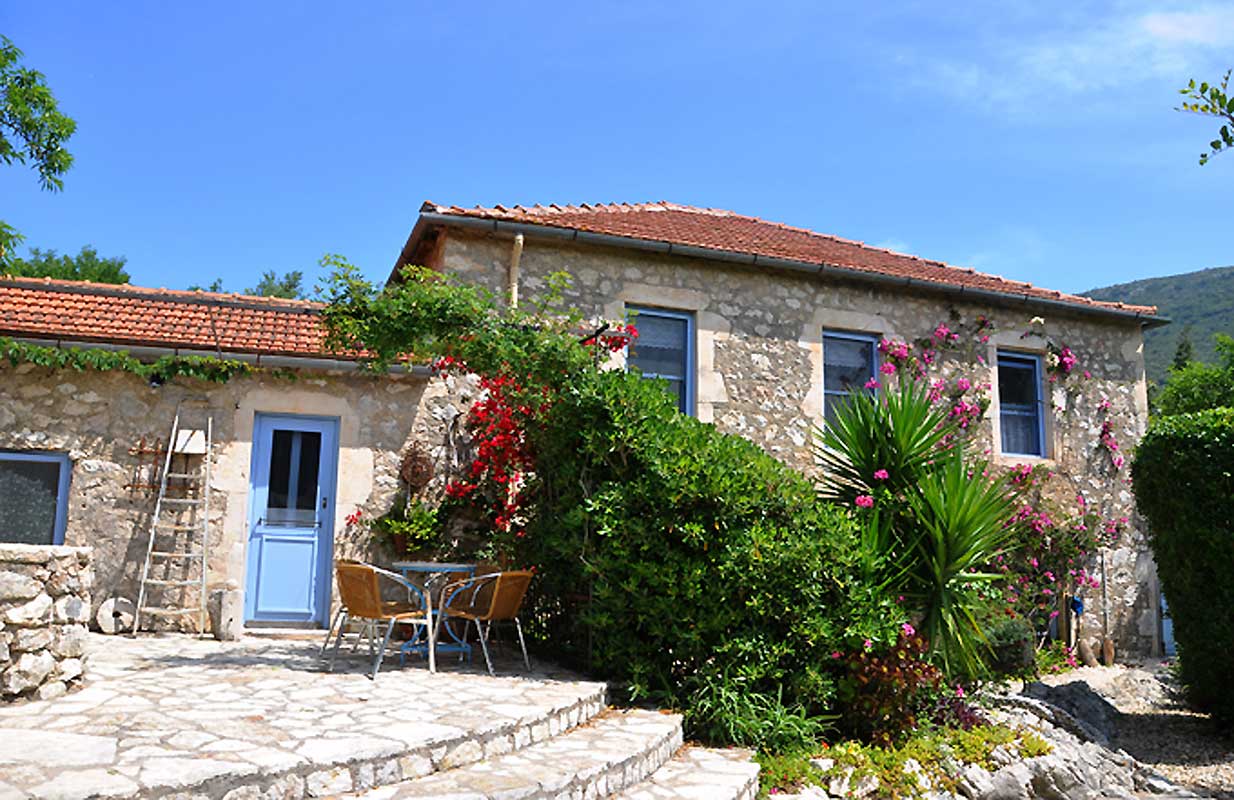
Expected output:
(37, 611)
(823, 764)
(1010, 783)
(115, 615)
(31, 639)
(226, 610)
(51, 690)
(71, 609)
(838, 785)
(866, 785)
(15, 586)
(69, 669)
(70, 641)
(27, 672)
(975, 782)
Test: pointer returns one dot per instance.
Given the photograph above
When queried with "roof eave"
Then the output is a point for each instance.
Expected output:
(500, 227)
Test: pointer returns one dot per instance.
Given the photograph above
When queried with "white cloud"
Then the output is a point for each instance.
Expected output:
(1104, 52)
(897, 245)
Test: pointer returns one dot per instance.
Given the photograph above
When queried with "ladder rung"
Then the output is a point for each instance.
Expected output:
(167, 526)
(168, 611)
(161, 582)
(184, 501)
(193, 475)
(171, 554)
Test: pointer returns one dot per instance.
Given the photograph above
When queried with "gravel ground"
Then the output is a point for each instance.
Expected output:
(1157, 729)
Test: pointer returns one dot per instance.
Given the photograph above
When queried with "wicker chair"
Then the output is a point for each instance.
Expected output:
(486, 599)
(359, 587)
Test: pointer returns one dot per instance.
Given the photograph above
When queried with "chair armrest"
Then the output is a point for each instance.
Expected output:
(451, 590)
(426, 598)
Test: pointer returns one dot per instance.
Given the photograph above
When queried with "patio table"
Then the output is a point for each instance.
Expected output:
(434, 571)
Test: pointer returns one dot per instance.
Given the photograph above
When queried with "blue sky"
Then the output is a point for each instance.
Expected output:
(1032, 139)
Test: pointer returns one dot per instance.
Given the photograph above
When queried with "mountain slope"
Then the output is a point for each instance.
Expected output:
(1203, 300)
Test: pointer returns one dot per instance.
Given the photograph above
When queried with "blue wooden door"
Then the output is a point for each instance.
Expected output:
(291, 514)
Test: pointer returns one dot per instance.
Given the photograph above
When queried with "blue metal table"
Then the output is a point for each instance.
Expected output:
(434, 571)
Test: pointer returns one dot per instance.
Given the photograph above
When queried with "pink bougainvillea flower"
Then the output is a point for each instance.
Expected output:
(865, 501)
(963, 384)
(887, 368)
(959, 690)
(908, 629)
(881, 474)
(872, 383)
(867, 644)
(835, 653)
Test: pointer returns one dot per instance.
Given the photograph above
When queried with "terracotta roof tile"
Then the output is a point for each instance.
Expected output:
(135, 316)
(726, 231)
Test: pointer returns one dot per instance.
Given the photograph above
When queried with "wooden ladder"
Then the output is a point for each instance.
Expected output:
(180, 527)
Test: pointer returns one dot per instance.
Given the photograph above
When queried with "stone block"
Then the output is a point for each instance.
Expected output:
(69, 669)
(51, 690)
(327, 782)
(27, 640)
(226, 610)
(27, 672)
(15, 586)
(71, 609)
(34, 612)
(69, 641)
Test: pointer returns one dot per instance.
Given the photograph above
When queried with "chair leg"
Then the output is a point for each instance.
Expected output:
(325, 646)
(338, 640)
(431, 635)
(522, 643)
(381, 652)
(484, 645)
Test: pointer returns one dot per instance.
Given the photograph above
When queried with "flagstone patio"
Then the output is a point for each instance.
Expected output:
(170, 714)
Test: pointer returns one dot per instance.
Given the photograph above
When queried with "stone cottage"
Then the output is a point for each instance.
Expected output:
(756, 327)
(761, 328)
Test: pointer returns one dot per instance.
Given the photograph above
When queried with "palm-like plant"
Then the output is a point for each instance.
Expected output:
(938, 520)
(960, 522)
(900, 431)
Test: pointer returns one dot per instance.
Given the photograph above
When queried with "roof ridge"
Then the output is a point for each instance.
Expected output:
(160, 293)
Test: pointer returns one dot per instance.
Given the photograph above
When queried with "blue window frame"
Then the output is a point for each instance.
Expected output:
(1021, 405)
(34, 495)
(664, 350)
(850, 361)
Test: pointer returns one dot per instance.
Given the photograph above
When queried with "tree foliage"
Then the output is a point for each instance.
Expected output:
(87, 265)
(289, 286)
(32, 129)
(1197, 386)
(1212, 101)
(1184, 353)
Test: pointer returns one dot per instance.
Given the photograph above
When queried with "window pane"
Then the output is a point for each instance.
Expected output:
(1021, 434)
(661, 346)
(1017, 383)
(29, 497)
(295, 458)
(847, 363)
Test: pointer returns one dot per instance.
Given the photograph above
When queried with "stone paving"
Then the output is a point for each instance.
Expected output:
(164, 715)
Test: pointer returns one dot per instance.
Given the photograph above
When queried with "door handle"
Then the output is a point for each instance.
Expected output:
(325, 501)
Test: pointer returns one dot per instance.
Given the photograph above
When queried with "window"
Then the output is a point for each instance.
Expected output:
(1020, 405)
(850, 361)
(34, 490)
(664, 349)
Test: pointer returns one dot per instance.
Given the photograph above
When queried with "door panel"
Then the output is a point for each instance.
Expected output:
(291, 513)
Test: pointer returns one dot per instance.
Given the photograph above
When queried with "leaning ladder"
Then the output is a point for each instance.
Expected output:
(189, 538)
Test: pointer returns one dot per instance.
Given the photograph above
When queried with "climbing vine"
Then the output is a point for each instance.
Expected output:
(205, 368)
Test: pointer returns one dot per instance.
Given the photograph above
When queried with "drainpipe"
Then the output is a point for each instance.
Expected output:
(516, 255)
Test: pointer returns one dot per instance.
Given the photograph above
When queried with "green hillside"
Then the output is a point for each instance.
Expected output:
(1203, 300)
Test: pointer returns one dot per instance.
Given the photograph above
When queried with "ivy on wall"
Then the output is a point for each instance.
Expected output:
(205, 368)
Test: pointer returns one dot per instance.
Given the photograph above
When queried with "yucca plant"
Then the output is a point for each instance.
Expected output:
(959, 518)
(900, 431)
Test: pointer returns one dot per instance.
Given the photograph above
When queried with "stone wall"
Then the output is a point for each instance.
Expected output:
(760, 360)
(98, 417)
(44, 606)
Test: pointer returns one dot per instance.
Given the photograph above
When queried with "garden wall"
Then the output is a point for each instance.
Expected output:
(759, 371)
(44, 606)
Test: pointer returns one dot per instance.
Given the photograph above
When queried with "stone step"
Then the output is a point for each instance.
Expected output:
(613, 752)
(700, 773)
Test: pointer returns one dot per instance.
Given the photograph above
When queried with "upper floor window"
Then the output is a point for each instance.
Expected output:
(34, 489)
(850, 364)
(664, 349)
(1021, 410)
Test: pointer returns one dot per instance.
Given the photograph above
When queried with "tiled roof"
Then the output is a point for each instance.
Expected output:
(725, 231)
(134, 316)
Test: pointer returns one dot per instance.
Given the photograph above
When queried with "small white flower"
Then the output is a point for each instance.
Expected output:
(1036, 321)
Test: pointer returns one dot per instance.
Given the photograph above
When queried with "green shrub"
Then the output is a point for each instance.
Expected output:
(1184, 485)
(692, 568)
(1198, 387)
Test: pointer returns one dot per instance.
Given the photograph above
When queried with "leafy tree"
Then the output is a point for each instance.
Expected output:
(1197, 386)
(272, 285)
(85, 266)
(1184, 353)
(289, 286)
(32, 129)
(1212, 101)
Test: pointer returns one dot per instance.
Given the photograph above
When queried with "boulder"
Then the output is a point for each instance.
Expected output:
(27, 672)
